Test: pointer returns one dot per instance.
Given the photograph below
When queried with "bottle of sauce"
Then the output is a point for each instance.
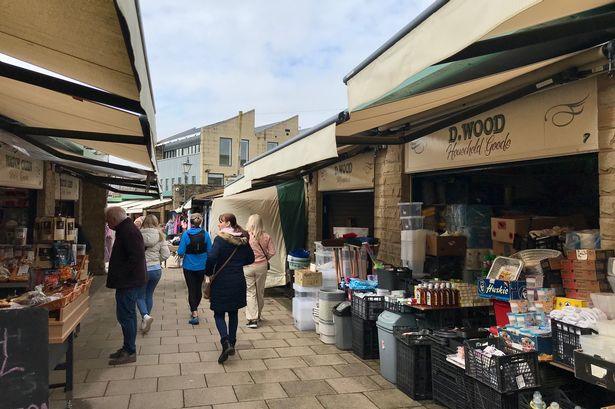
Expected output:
(439, 295)
(418, 292)
(429, 295)
(446, 294)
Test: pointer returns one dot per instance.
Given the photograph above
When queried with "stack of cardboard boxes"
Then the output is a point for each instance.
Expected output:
(504, 230)
(584, 272)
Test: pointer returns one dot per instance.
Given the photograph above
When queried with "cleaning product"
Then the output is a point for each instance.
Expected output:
(537, 402)
(554, 405)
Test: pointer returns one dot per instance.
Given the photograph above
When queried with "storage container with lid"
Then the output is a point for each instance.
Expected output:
(410, 209)
(387, 321)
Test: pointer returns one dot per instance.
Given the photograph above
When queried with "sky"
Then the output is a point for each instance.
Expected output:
(209, 59)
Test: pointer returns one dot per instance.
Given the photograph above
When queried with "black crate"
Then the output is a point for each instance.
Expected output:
(449, 385)
(484, 397)
(367, 307)
(512, 372)
(548, 396)
(588, 368)
(443, 346)
(413, 364)
(566, 338)
(365, 338)
(394, 306)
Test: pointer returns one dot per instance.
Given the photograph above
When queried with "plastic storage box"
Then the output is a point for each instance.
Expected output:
(412, 222)
(410, 209)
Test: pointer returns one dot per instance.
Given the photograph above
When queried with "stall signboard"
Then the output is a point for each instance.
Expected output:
(24, 357)
(19, 170)
(562, 121)
(354, 173)
(502, 290)
(67, 187)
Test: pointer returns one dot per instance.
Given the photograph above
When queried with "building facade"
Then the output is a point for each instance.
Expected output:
(217, 152)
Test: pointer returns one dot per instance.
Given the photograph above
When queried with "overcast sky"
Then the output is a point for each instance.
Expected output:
(211, 59)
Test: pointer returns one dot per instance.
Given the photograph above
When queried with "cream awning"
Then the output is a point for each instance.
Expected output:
(98, 44)
(444, 30)
(239, 185)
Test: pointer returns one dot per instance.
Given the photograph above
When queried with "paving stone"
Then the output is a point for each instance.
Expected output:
(129, 386)
(346, 401)
(157, 400)
(354, 384)
(355, 370)
(350, 358)
(270, 343)
(208, 338)
(280, 363)
(169, 383)
(317, 372)
(111, 373)
(179, 358)
(244, 366)
(212, 356)
(279, 335)
(380, 381)
(158, 349)
(294, 351)
(199, 347)
(307, 388)
(327, 359)
(212, 396)
(82, 390)
(243, 405)
(191, 368)
(391, 398)
(251, 336)
(155, 371)
(259, 391)
(303, 342)
(284, 328)
(304, 402)
(195, 332)
(273, 375)
(306, 334)
(325, 349)
(229, 379)
(178, 340)
(105, 402)
(259, 353)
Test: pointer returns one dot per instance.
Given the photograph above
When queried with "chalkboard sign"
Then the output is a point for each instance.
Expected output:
(24, 356)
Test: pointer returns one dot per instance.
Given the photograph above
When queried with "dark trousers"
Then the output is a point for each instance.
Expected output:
(194, 281)
(233, 322)
(126, 312)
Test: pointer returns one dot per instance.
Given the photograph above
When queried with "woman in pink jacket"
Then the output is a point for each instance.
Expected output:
(256, 273)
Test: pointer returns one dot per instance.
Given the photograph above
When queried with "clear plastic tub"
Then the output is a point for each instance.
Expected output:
(324, 259)
(605, 302)
(410, 209)
(600, 345)
(412, 222)
(606, 327)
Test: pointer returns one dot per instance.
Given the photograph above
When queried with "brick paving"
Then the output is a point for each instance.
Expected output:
(275, 367)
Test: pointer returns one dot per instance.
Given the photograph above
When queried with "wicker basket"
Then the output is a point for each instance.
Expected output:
(531, 258)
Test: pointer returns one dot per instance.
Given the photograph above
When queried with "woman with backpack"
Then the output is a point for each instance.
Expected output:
(193, 247)
(156, 251)
(227, 289)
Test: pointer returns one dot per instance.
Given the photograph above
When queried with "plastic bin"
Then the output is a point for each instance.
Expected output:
(327, 300)
(342, 319)
(393, 278)
(296, 263)
(413, 365)
(302, 313)
(566, 338)
(364, 338)
(324, 260)
(387, 322)
(410, 209)
(413, 243)
(412, 222)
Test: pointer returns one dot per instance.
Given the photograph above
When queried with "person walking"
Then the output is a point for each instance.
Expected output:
(193, 247)
(127, 274)
(256, 273)
(156, 251)
(229, 253)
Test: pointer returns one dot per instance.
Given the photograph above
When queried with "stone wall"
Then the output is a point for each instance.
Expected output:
(92, 222)
(606, 159)
(387, 194)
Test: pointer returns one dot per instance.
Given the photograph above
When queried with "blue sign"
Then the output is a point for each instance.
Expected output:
(502, 290)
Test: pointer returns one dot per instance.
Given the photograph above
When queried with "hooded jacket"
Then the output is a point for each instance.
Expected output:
(228, 291)
(156, 250)
(127, 262)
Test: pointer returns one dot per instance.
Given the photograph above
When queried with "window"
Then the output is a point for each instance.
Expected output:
(225, 151)
(198, 148)
(271, 145)
(244, 151)
(194, 180)
(166, 184)
(172, 182)
(215, 179)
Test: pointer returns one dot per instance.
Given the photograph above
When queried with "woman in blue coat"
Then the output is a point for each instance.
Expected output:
(230, 252)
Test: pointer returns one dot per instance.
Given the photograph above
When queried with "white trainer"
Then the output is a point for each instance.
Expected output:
(146, 324)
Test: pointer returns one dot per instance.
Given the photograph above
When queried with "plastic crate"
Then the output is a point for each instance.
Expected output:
(484, 397)
(566, 338)
(512, 372)
(449, 385)
(394, 306)
(413, 365)
(548, 396)
(367, 307)
(365, 338)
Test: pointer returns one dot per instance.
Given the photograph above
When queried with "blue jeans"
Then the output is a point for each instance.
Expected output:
(145, 301)
(233, 322)
(126, 313)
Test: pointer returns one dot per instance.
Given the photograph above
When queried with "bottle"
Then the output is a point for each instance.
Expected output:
(437, 296)
(429, 295)
(418, 292)
(537, 402)
(554, 405)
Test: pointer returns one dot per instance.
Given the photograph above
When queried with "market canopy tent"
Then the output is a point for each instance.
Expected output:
(282, 209)
(105, 101)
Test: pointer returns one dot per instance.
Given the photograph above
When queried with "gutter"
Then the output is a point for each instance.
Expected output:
(418, 20)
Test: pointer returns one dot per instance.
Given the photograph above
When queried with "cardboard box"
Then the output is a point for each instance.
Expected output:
(44, 229)
(445, 245)
(579, 295)
(561, 302)
(589, 254)
(43, 256)
(59, 232)
(588, 275)
(566, 265)
(504, 229)
(502, 290)
(70, 228)
(551, 264)
(520, 341)
(307, 278)
(598, 266)
(586, 285)
(503, 249)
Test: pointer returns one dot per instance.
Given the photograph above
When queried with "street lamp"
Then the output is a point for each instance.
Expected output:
(187, 165)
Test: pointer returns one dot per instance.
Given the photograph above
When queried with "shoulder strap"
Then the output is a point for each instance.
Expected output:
(214, 275)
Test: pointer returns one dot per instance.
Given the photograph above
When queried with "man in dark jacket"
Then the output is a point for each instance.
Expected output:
(127, 274)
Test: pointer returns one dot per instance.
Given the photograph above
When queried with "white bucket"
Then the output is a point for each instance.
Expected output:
(413, 250)
(326, 327)
(327, 339)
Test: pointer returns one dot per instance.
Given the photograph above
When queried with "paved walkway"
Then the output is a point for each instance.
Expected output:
(275, 367)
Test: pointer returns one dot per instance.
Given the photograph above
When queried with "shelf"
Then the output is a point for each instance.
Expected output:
(561, 366)
(450, 307)
(16, 284)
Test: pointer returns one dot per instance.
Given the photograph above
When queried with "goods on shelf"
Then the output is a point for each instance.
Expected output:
(468, 295)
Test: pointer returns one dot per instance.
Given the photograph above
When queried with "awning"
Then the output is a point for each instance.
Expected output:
(476, 27)
(105, 103)
(140, 205)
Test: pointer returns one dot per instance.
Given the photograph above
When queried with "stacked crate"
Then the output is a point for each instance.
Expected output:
(584, 272)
